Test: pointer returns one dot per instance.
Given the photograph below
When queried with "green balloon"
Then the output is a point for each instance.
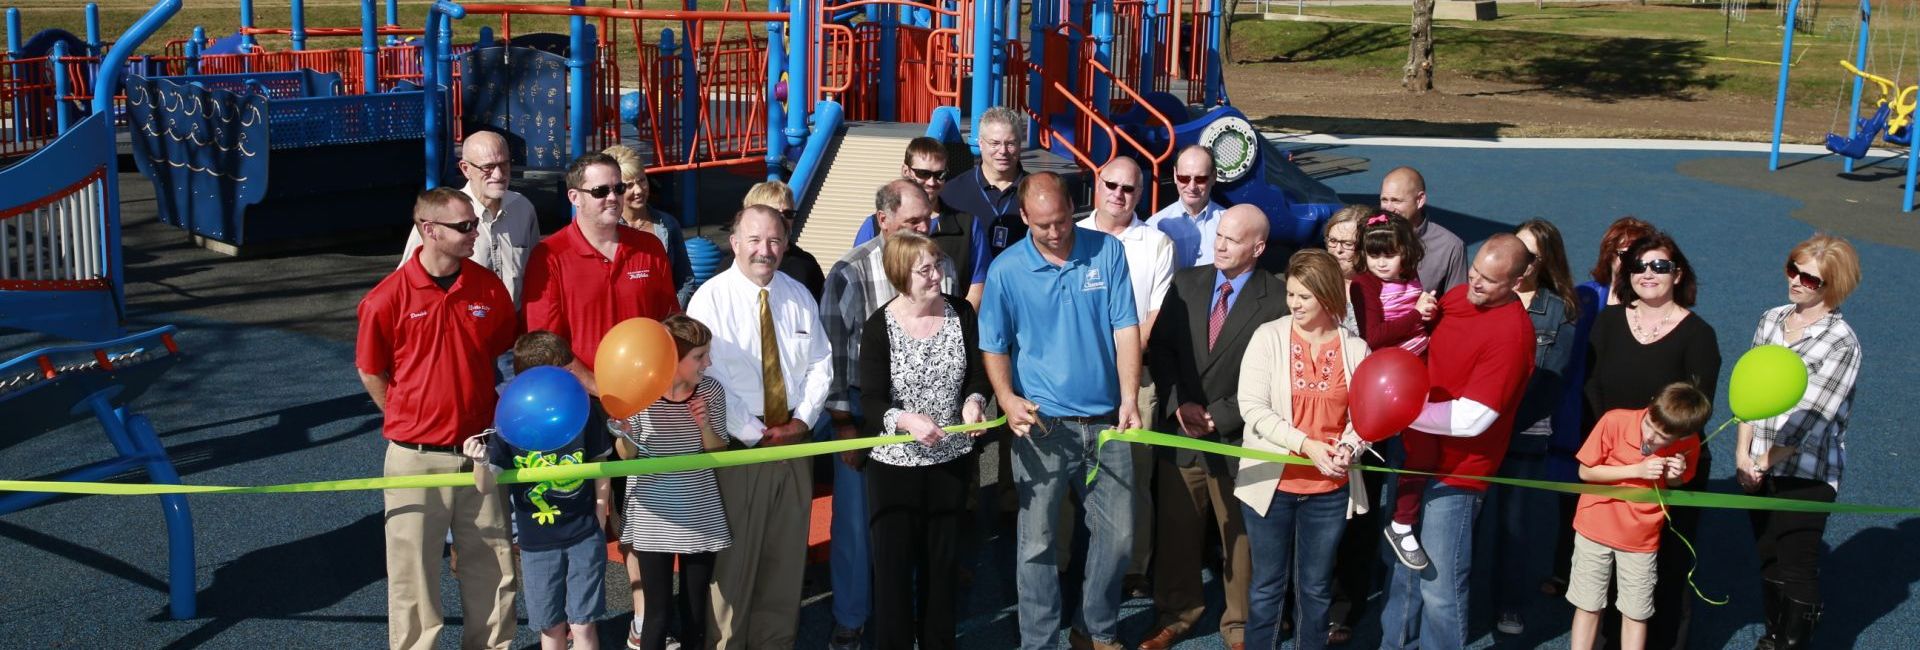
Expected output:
(1767, 381)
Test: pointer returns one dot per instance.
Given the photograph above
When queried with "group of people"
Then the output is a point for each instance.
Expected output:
(971, 295)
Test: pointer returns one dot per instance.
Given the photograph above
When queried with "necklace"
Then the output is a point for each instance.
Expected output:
(1807, 322)
(1648, 335)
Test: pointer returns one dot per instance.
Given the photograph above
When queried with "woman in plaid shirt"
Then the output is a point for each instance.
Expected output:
(1799, 455)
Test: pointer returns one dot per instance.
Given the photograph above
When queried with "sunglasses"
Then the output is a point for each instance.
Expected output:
(602, 191)
(789, 214)
(1197, 179)
(928, 174)
(462, 227)
(1805, 279)
(1117, 187)
(1662, 267)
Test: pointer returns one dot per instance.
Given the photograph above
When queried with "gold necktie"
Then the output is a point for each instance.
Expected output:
(774, 384)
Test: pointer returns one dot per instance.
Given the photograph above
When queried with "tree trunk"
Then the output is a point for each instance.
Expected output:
(1419, 71)
(1226, 34)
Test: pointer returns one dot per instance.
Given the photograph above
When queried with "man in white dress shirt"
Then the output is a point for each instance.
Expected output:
(1192, 221)
(508, 227)
(1150, 260)
(772, 354)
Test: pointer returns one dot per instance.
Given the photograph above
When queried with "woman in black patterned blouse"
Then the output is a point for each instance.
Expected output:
(920, 365)
(1800, 454)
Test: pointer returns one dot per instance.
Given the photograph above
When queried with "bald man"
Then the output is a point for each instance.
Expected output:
(1208, 318)
(1194, 220)
(1443, 266)
(508, 227)
(1478, 360)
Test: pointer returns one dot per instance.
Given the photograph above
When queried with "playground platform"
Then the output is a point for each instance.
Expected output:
(268, 395)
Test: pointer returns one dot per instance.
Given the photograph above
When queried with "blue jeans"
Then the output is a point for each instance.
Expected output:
(1524, 555)
(1428, 609)
(1299, 537)
(849, 563)
(1047, 467)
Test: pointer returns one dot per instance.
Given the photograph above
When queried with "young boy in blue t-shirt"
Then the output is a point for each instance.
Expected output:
(563, 555)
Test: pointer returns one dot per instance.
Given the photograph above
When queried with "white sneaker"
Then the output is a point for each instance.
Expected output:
(1510, 624)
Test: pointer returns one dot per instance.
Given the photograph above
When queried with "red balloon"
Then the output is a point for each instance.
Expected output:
(1389, 390)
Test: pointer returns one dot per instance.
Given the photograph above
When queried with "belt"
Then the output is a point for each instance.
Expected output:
(432, 449)
(1104, 418)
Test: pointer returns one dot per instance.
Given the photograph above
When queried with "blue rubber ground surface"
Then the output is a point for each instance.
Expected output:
(269, 395)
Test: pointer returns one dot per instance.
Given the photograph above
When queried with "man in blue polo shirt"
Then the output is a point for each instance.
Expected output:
(1058, 308)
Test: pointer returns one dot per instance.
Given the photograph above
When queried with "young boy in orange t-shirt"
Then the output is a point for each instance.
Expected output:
(1629, 448)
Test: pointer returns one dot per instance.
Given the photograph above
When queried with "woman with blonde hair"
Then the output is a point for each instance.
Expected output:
(1800, 454)
(637, 214)
(1293, 396)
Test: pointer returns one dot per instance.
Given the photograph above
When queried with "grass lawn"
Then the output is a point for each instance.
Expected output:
(222, 17)
(1596, 51)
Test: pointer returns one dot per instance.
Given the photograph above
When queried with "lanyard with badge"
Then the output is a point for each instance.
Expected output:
(999, 208)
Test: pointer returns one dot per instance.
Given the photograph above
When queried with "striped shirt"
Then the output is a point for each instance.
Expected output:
(1816, 427)
(676, 512)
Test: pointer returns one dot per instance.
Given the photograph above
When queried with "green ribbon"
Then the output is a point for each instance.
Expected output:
(636, 467)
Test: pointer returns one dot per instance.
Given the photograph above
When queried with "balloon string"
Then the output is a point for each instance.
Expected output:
(1659, 490)
(1723, 427)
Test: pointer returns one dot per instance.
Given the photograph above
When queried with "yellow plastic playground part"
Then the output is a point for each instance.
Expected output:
(1904, 101)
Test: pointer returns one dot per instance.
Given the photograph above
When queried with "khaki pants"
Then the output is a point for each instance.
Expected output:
(757, 580)
(1187, 495)
(417, 521)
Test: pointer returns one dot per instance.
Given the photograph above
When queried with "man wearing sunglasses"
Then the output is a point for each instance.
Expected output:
(958, 234)
(1443, 266)
(1192, 221)
(594, 273)
(1150, 261)
(428, 337)
(989, 192)
(508, 227)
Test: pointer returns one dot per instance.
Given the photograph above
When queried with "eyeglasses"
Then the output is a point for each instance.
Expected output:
(462, 227)
(999, 145)
(488, 169)
(1117, 187)
(1662, 267)
(928, 174)
(1805, 279)
(602, 191)
(789, 214)
(1197, 179)
(1341, 244)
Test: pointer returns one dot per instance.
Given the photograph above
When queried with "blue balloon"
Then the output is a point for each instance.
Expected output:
(542, 409)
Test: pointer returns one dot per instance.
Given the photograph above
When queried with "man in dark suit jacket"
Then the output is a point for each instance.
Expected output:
(1195, 350)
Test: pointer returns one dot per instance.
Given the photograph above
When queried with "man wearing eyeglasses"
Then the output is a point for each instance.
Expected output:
(508, 227)
(594, 274)
(958, 234)
(1150, 261)
(428, 337)
(989, 191)
(1192, 221)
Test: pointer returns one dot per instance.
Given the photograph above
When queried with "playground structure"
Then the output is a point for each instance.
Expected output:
(61, 275)
(1891, 119)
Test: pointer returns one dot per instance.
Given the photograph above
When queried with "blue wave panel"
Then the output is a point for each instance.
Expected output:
(204, 149)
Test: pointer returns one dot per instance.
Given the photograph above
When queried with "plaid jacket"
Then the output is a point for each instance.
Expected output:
(1817, 426)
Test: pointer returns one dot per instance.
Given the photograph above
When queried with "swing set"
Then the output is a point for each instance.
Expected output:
(1892, 113)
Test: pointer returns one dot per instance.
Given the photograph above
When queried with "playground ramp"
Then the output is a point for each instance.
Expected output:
(866, 155)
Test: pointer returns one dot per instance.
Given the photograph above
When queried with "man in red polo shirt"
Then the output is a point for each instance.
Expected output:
(429, 333)
(595, 273)
(1479, 359)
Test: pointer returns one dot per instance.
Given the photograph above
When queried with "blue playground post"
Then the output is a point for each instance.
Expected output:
(194, 47)
(690, 93)
(439, 19)
(1780, 95)
(299, 23)
(486, 37)
(798, 92)
(93, 29)
(369, 49)
(1036, 53)
(1102, 52)
(982, 62)
(13, 53)
(63, 111)
(246, 20)
(1216, 91)
(776, 64)
(1859, 61)
(393, 12)
(889, 68)
(577, 44)
(1149, 34)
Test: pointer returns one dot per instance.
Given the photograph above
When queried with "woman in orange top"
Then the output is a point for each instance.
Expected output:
(1293, 395)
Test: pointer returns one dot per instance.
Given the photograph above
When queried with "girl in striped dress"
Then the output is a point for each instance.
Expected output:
(677, 514)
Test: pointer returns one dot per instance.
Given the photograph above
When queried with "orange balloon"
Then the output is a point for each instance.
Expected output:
(634, 366)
